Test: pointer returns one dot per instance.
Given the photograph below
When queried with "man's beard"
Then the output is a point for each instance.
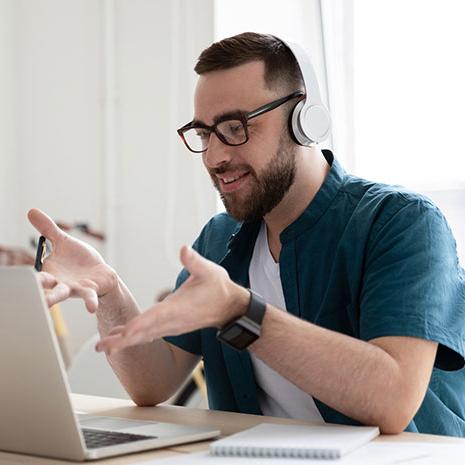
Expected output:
(268, 190)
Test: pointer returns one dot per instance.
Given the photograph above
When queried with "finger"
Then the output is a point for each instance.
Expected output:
(137, 336)
(47, 280)
(166, 318)
(140, 330)
(116, 330)
(44, 224)
(112, 344)
(143, 323)
(57, 294)
(107, 342)
(194, 262)
(88, 295)
(87, 291)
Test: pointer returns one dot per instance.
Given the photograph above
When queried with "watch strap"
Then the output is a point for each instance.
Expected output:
(256, 309)
(241, 332)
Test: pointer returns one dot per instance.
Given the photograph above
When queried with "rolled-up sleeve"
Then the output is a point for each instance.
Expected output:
(413, 284)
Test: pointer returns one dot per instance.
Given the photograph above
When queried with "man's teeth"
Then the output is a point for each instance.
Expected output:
(229, 180)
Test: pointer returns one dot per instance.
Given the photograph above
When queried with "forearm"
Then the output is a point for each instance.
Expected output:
(116, 308)
(148, 371)
(356, 378)
(382, 381)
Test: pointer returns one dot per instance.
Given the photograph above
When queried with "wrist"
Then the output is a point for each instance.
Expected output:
(237, 303)
(116, 307)
(113, 293)
(244, 328)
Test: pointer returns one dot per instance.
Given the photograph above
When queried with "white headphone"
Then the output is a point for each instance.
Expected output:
(310, 120)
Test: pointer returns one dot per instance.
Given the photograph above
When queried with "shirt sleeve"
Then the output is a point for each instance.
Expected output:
(190, 342)
(413, 284)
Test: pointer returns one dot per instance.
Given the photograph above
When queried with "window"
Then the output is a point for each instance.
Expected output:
(409, 99)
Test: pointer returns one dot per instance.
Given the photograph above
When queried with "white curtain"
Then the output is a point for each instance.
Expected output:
(395, 92)
(337, 45)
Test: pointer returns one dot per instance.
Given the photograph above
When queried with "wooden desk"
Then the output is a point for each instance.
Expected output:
(228, 423)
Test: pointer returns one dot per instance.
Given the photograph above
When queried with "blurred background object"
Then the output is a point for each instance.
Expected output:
(10, 256)
(17, 256)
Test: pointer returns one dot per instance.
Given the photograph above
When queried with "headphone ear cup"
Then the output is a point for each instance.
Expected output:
(293, 123)
(309, 124)
(315, 123)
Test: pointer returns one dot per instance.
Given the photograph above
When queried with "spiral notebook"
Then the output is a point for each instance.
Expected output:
(297, 441)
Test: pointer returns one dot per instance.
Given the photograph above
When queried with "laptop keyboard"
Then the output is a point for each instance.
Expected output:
(95, 439)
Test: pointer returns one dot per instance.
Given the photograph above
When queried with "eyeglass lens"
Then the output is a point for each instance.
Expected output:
(231, 132)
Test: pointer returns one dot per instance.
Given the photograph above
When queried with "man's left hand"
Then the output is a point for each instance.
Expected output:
(208, 298)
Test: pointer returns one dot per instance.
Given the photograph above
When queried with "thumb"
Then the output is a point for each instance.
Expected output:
(44, 224)
(194, 263)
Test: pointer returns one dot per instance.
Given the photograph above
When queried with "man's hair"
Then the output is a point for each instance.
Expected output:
(281, 67)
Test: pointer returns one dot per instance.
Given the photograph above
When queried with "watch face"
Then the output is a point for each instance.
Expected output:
(238, 337)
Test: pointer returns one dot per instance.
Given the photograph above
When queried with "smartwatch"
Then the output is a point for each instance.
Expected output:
(241, 332)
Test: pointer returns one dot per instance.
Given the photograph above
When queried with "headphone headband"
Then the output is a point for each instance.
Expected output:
(312, 88)
(310, 120)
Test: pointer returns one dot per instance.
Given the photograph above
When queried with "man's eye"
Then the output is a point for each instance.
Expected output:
(233, 128)
(202, 134)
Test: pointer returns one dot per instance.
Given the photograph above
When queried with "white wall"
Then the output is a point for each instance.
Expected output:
(158, 43)
(91, 94)
(8, 116)
(296, 21)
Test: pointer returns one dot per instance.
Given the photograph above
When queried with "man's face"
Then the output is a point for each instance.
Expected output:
(252, 178)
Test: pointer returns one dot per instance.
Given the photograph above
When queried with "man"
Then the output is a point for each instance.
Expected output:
(365, 301)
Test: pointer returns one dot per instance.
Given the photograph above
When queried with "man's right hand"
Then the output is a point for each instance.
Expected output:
(74, 268)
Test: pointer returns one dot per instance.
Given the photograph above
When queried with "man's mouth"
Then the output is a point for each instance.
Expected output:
(231, 182)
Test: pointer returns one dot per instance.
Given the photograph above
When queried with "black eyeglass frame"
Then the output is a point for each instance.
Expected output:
(241, 116)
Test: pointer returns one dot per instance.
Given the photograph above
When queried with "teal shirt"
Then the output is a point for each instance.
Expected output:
(364, 259)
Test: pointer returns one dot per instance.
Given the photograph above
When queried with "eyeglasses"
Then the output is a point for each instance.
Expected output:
(231, 128)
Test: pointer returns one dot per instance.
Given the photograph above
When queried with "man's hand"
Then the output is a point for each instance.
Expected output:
(208, 298)
(74, 268)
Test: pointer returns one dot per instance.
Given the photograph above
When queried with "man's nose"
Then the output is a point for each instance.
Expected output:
(217, 153)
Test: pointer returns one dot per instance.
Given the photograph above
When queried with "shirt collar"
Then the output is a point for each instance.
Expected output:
(315, 209)
(319, 204)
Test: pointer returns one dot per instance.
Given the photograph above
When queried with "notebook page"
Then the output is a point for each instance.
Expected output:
(269, 439)
(370, 454)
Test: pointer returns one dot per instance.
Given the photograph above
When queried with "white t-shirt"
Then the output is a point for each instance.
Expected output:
(276, 395)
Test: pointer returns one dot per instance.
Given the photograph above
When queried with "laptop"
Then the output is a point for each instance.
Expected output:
(36, 414)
